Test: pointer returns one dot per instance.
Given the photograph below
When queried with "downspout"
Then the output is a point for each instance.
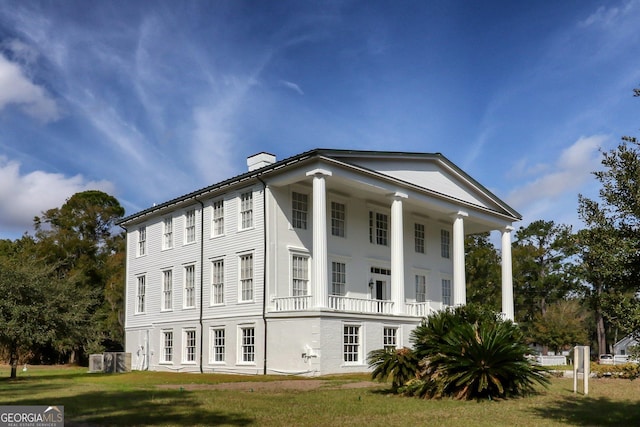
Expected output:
(264, 270)
(201, 278)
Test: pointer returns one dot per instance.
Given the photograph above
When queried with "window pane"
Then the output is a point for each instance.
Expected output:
(190, 286)
(338, 278)
(248, 345)
(299, 207)
(246, 277)
(351, 343)
(167, 290)
(337, 219)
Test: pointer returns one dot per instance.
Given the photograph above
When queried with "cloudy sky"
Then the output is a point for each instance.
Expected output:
(149, 100)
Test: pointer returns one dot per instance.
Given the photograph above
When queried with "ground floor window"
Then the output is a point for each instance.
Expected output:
(351, 339)
(167, 346)
(218, 339)
(248, 345)
(390, 338)
(190, 345)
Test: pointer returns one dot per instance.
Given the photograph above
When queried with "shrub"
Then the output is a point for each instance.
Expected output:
(399, 365)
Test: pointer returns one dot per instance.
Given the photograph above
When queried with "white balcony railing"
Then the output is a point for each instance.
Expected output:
(422, 309)
(355, 305)
(298, 303)
(360, 305)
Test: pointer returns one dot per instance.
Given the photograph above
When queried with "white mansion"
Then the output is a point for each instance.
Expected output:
(304, 265)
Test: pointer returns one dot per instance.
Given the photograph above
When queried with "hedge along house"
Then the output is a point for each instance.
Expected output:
(303, 266)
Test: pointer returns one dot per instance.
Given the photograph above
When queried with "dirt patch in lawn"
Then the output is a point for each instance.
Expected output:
(272, 385)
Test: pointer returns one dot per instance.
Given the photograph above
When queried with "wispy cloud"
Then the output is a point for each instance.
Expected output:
(290, 85)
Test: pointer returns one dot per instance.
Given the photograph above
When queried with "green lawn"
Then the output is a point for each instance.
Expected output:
(153, 398)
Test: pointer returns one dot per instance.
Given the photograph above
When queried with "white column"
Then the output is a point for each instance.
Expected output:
(507, 275)
(397, 253)
(459, 280)
(319, 256)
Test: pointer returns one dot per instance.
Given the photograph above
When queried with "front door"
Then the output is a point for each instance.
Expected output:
(381, 286)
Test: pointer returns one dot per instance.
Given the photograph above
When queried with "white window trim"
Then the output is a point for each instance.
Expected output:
(303, 254)
(427, 279)
(141, 244)
(185, 361)
(377, 209)
(342, 201)
(212, 354)
(224, 223)
(253, 277)
(212, 303)
(144, 296)
(449, 234)
(444, 276)
(240, 344)
(304, 192)
(163, 361)
(253, 209)
(361, 335)
(164, 233)
(398, 340)
(195, 227)
(184, 287)
(162, 295)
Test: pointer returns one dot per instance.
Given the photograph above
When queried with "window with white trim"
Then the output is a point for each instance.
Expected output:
(167, 233)
(445, 240)
(190, 226)
(246, 277)
(378, 228)
(218, 345)
(142, 241)
(217, 228)
(167, 347)
(338, 278)
(300, 275)
(351, 341)
(338, 219)
(141, 290)
(421, 288)
(190, 345)
(217, 281)
(167, 290)
(246, 210)
(446, 291)
(248, 345)
(299, 210)
(189, 286)
(418, 233)
(390, 338)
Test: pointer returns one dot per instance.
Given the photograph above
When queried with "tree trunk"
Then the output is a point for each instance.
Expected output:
(13, 361)
(600, 333)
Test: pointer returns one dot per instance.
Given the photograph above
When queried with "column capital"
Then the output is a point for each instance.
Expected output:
(507, 229)
(398, 195)
(319, 171)
(459, 214)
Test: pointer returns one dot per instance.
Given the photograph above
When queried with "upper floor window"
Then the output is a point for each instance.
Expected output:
(167, 233)
(217, 282)
(445, 239)
(378, 228)
(390, 338)
(218, 218)
(190, 286)
(299, 209)
(167, 289)
(246, 210)
(421, 288)
(418, 233)
(446, 291)
(338, 219)
(190, 226)
(338, 278)
(141, 294)
(246, 277)
(142, 241)
(300, 275)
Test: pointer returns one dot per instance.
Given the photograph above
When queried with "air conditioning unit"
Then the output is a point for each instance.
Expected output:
(96, 363)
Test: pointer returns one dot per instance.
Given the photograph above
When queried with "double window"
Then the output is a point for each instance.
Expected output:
(299, 210)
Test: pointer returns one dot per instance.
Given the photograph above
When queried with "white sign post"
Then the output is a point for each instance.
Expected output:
(581, 365)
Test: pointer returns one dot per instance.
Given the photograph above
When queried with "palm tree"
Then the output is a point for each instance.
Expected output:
(398, 364)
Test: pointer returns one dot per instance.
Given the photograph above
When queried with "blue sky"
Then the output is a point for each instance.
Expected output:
(149, 100)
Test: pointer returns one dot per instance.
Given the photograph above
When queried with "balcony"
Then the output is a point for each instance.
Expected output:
(354, 305)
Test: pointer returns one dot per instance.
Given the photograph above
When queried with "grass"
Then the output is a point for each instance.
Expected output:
(154, 398)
